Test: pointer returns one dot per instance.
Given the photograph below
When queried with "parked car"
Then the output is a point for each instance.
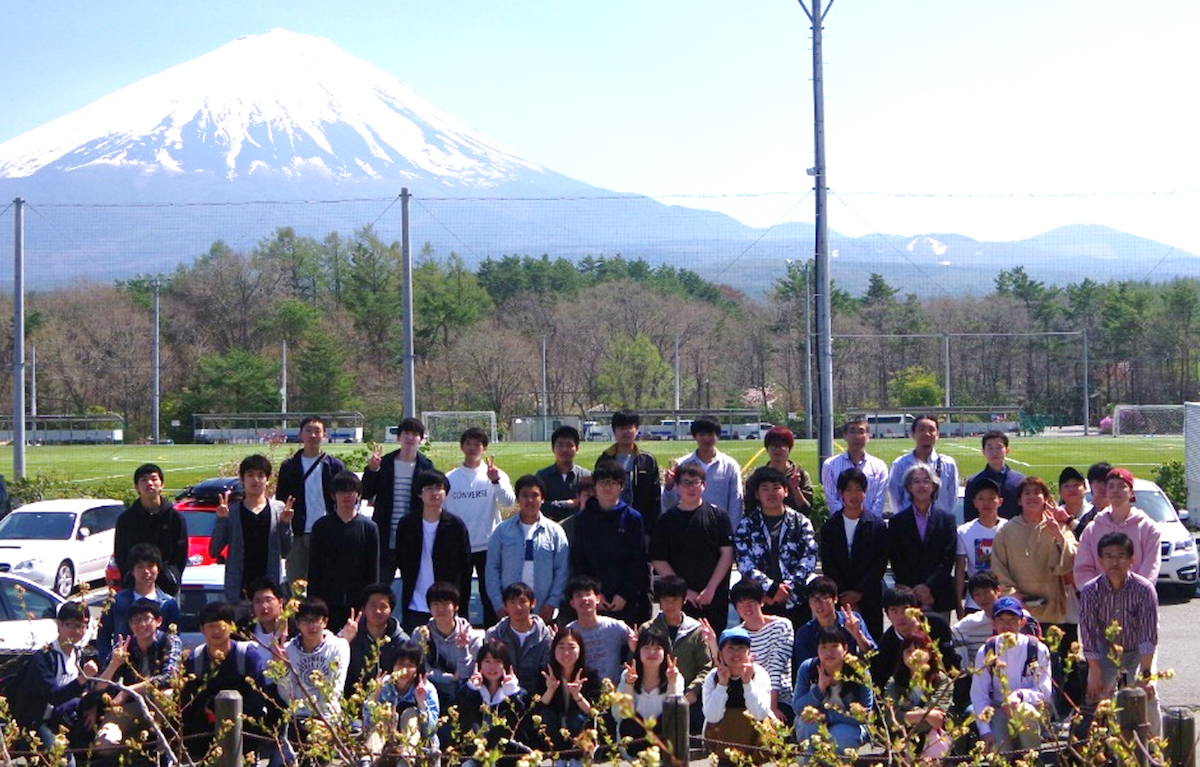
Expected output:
(200, 586)
(198, 505)
(27, 613)
(1179, 565)
(61, 543)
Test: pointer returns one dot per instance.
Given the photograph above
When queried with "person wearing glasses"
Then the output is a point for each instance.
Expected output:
(694, 540)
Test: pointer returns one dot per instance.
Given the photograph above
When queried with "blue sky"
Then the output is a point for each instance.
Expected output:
(1082, 112)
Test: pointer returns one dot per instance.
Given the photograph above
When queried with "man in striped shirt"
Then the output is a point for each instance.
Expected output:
(857, 435)
(1123, 596)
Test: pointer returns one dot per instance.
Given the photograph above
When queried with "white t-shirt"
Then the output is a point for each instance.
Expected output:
(527, 570)
(314, 492)
(851, 526)
(975, 543)
(425, 571)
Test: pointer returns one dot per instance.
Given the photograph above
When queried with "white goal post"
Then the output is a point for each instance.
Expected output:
(448, 425)
(1144, 420)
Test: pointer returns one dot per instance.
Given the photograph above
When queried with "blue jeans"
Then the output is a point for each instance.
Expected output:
(844, 735)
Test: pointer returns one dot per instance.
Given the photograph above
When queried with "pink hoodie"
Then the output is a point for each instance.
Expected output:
(1141, 530)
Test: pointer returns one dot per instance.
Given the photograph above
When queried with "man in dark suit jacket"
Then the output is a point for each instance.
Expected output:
(450, 550)
(856, 567)
(379, 487)
(923, 543)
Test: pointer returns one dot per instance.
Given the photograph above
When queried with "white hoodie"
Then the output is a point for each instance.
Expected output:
(330, 660)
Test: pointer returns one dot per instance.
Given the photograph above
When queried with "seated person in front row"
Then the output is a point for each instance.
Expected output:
(153, 661)
(53, 690)
(608, 640)
(903, 611)
(649, 678)
(492, 704)
(402, 716)
(840, 692)
(1015, 686)
(736, 685)
(222, 663)
(822, 596)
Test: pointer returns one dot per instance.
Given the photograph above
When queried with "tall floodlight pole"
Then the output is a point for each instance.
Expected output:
(808, 384)
(155, 281)
(406, 303)
(821, 291)
(18, 405)
(33, 391)
(283, 404)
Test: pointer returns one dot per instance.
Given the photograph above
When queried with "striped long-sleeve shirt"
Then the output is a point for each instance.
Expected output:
(1134, 605)
(771, 647)
(877, 481)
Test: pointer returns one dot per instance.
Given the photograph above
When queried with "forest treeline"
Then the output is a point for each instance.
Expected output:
(610, 327)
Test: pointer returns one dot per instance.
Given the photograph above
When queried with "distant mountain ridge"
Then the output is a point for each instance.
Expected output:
(285, 116)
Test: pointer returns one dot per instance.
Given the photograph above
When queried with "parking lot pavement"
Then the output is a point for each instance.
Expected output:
(1177, 626)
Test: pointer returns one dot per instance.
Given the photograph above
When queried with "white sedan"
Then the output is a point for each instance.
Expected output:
(27, 614)
(60, 543)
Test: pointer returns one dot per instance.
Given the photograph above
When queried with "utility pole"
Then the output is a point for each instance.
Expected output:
(18, 371)
(824, 329)
(33, 392)
(406, 306)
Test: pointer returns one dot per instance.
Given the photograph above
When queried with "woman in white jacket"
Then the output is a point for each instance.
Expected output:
(737, 684)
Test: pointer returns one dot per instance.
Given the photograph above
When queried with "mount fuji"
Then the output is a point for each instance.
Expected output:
(277, 112)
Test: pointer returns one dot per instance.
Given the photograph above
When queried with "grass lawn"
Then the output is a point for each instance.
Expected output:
(185, 464)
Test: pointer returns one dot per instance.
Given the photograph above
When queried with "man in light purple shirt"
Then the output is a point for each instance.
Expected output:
(857, 435)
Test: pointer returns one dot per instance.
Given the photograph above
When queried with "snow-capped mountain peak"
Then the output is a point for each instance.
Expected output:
(278, 104)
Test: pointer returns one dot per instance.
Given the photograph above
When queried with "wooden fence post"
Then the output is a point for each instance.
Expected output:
(1179, 728)
(1131, 715)
(228, 709)
(676, 728)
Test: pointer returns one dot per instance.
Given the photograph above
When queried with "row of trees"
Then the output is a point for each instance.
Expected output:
(610, 327)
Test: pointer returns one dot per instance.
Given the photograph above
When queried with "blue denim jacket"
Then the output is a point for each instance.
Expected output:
(506, 560)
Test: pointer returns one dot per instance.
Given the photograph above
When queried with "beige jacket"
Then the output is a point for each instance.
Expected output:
(1029, 561)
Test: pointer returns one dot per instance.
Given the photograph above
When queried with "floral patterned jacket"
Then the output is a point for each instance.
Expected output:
(797, 553)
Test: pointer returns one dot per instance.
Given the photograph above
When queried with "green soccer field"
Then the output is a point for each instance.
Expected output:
(104, 465)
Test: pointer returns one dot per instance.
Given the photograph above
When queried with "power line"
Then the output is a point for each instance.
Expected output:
(892, 245)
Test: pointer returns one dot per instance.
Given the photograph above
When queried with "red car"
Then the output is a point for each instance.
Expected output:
(198, 505)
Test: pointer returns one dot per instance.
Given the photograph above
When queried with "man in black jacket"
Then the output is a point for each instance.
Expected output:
(449, 550)
(308, 478)
(387, 474)
(151, 519)
(643, 487)
(345, 552)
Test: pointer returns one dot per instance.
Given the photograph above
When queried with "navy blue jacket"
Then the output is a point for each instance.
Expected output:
(612, 549)
(930, 561)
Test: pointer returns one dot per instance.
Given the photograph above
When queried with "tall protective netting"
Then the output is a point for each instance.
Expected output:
(1191, 455)
(1145, 420)
(448, 425)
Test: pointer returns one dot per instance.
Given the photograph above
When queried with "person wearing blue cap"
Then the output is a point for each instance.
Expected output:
(735, 686)
(1014, 682)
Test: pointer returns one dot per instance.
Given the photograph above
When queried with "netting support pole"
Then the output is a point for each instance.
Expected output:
(406, 307)
(18, 406)
(1087, 398)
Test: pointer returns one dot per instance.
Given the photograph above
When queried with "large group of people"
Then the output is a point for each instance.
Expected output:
(569, 583)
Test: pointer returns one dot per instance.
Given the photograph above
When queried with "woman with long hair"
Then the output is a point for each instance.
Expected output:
(649, 678)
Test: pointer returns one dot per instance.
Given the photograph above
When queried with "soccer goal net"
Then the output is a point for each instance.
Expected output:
(1139, 420)
(448, 425)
